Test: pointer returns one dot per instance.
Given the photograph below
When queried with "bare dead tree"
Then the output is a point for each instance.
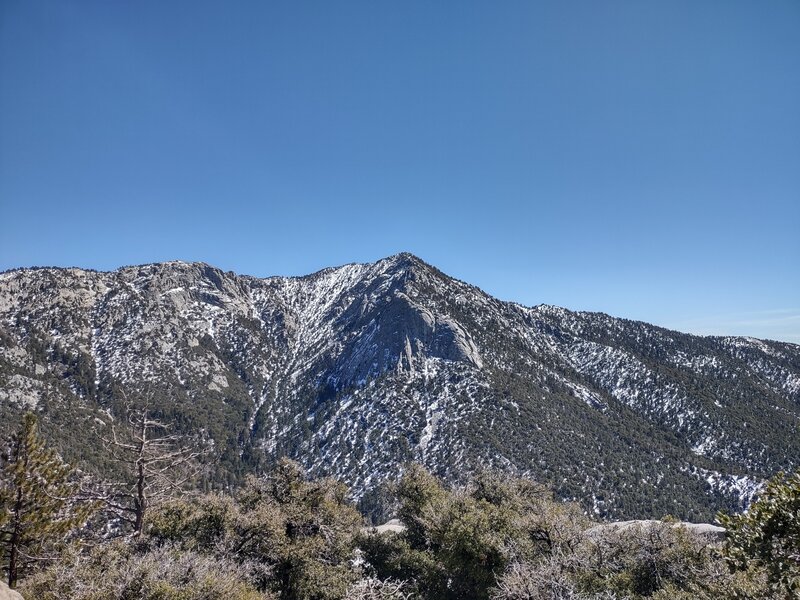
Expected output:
(371, 588)
(156, 464)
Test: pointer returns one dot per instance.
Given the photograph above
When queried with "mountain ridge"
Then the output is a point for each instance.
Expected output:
(411, 255)
(355, 370)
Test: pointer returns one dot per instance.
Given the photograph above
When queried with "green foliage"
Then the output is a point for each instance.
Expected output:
(642, 559)
(285, 537)
(648, 559)
(768, 535)
(300, 533)
(37, 505)
(457, 541)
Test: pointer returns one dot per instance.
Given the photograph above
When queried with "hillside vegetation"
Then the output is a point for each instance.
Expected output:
(286, 536)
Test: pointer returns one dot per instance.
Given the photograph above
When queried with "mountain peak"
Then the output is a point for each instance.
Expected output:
(403, 259)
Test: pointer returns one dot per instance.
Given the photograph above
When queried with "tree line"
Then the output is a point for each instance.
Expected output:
(283, 535)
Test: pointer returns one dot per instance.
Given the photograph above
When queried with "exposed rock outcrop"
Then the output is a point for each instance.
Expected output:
(712, 534)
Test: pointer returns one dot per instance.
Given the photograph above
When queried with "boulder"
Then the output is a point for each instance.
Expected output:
(7, 593)
(393, 526)
(711, 534)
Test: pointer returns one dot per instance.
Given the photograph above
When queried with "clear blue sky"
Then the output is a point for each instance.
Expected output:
(641, 158)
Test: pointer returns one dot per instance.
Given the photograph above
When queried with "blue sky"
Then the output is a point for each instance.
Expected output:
(640, 158)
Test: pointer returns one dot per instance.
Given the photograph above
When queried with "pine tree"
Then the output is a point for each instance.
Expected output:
(768, 535)
(38, 506)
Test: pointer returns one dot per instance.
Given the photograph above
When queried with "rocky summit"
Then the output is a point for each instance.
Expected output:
(356, 370)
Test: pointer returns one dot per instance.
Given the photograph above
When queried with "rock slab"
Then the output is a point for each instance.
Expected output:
(7, 593)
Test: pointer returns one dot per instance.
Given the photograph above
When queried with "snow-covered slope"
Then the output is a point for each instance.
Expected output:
(359, 369)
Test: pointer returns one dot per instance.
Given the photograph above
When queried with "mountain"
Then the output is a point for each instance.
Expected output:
(356, 370)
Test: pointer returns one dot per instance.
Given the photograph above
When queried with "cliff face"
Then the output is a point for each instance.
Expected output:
(358, 369)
